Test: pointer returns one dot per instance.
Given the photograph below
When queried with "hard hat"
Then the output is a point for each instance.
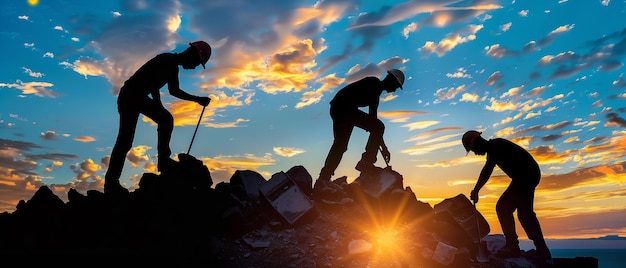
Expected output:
(204, 49)
(469, 138)
(399, 75)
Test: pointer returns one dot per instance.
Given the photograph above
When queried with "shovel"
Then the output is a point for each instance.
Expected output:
(482, 255)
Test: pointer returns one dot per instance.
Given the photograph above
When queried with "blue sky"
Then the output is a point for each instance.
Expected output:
(548, 75)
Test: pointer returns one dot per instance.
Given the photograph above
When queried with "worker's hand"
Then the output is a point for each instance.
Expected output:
(474, 196)
(386, 154)
(204, 101)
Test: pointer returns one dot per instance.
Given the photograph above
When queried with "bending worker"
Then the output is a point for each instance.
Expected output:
(521, 167)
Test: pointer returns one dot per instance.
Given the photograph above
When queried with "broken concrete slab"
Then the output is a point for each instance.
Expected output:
(460, 211)
(444, 253)
(375, 185)
(286, 197)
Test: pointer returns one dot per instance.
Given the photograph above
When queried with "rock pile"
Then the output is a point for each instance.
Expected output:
(179, 218)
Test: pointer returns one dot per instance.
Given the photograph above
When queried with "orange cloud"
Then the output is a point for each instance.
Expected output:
(311, 97)
(222, 167)
(84, 138)
(498, 106)
(399, 114)
(581, 176)
(137, 155)
(451, 41)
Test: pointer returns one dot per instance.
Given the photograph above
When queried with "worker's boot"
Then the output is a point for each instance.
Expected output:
(510, 250)
(329, 191)
(114, 188)
(544, 256)
(166, 164)
(365, 166)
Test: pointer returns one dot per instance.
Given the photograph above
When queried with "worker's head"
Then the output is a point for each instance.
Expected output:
(393, 80)
(203, 51)
(470, 139)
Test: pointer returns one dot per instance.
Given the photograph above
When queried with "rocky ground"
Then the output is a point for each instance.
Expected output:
(179, 218)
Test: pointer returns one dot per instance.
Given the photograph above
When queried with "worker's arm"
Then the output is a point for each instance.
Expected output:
(173, 87)
(484, 176)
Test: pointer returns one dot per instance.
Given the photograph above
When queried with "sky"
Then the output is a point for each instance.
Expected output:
(548, 75)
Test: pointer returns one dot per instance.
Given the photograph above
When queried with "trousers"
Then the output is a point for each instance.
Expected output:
(129, 108)
(344, 121)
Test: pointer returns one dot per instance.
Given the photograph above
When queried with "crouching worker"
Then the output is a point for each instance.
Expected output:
(345, 114)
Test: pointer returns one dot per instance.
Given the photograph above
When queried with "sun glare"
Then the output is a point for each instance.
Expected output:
(390, 247)
(387, 240)
(391, 234)
(32, 3)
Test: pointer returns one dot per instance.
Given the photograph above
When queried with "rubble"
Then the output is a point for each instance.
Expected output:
(252, 222)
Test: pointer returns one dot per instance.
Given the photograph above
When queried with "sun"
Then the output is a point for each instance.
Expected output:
(32, 3)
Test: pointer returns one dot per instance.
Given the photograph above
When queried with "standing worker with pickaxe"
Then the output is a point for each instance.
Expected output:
(345, 113)
(140, 95)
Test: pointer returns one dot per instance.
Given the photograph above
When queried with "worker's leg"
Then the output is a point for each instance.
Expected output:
(376, 129)
(165, 125)
(505, 207)
(125, 135)
(529, 221)
(341, 136)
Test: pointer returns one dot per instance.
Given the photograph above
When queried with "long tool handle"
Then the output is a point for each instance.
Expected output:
(481, 256)
(381, 152)
(477, 224)
(195, 131)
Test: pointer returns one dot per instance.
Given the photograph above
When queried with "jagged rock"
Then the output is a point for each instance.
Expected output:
(74, 196)
(250, 182)
(359, 246)
(43, 201)
(194, 172)
(302, 178)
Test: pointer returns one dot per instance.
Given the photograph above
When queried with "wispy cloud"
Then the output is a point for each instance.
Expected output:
(39, 89)
(288, 151)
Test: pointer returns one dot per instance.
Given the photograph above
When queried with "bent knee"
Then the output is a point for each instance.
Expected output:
(378, 126)
(503, 207)
(168, 119)
(166, 122)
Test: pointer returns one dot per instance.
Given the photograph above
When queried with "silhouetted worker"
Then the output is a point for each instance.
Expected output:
(521, 167)
(140, 95)
(345, 113)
